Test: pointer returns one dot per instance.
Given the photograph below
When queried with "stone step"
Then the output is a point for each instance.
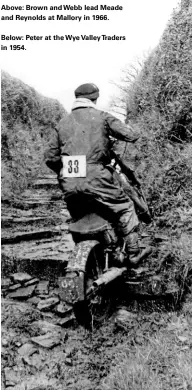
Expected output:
(34, 202)
(50, 268)
(44, 258)
(8, 220)
(22, 293)
(49, 177)
(28, 236)
(42, 197)
(45, 182)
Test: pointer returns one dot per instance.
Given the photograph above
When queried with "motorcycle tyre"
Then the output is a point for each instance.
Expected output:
(87, 313)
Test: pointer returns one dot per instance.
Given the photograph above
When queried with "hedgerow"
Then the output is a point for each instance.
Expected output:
(159, 102)
(27, 122)
(164, 86)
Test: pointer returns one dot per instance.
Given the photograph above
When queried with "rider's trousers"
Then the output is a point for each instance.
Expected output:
(127, 220)
(103, 186)
(127, 223)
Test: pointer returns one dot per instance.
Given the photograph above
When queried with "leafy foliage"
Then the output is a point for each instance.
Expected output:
(159, 102)
(164, 86)
(27, 122)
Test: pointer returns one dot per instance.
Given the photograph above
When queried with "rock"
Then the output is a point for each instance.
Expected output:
(47, 341)
(4, 343)
(20, 277)
(64, 227)
(66, 322)
(34, 301)
(183, 339)
(18, 344)
(10, 376)
(5, 283)
(18, 387)
(10, 385)
(68, 361)
(46, 327)
(47, 304)
(30, 235)
(47, 314)
(125, 314)
(14, 287)
(109, 343)
(4, 352)
(69, 351)
(139, 339)
(34, 361)
(31, 282)
(43, 287)
(145, 234)
(43, 296)
(22, 293)
(161, 237)
(125, 318)
(54, 292)
(65, 213)
(63, 310)
(27, 350)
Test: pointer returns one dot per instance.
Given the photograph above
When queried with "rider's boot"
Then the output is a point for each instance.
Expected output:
(135, 253)
(132, 247)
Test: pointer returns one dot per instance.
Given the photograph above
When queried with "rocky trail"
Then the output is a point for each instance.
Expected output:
(43, 348)
(34, 233)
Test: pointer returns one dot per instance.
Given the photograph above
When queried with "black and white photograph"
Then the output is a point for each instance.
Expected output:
(96, 195)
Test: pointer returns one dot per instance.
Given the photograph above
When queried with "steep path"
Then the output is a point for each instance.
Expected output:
(42, 346)
(34, 233)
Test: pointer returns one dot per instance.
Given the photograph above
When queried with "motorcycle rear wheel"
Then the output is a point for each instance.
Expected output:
(100, 306)
(94, 312)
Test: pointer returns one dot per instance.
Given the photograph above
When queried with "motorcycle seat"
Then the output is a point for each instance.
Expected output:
(89, 224)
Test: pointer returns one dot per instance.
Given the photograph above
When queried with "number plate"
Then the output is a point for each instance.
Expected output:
(74, 166)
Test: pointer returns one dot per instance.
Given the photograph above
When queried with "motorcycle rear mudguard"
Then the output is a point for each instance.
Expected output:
(72, 285)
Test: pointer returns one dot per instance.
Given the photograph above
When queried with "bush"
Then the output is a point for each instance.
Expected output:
(27, 122)
(164, 86)
(159, 103)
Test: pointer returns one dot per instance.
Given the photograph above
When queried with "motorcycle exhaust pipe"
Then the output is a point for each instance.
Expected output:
(108, 276)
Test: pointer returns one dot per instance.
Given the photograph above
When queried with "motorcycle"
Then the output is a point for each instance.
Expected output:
(93, 278)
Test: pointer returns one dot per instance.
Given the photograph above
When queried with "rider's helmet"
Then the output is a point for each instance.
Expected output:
(89, 91)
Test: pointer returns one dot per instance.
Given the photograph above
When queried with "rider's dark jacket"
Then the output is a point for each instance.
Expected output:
(86, 131)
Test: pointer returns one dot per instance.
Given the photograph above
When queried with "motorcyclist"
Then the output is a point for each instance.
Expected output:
(85, 132)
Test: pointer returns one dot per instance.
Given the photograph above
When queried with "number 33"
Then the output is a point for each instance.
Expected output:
(73, 168)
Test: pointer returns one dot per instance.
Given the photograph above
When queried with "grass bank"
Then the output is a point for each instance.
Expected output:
(27, 122)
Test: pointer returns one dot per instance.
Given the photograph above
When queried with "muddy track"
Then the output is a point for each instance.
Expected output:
(43, 348)
(42, 345)
(34, 232)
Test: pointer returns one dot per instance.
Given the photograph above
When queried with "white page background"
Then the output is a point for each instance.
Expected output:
(56, 68)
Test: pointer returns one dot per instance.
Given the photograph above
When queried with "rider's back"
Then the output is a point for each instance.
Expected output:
(83, 132)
